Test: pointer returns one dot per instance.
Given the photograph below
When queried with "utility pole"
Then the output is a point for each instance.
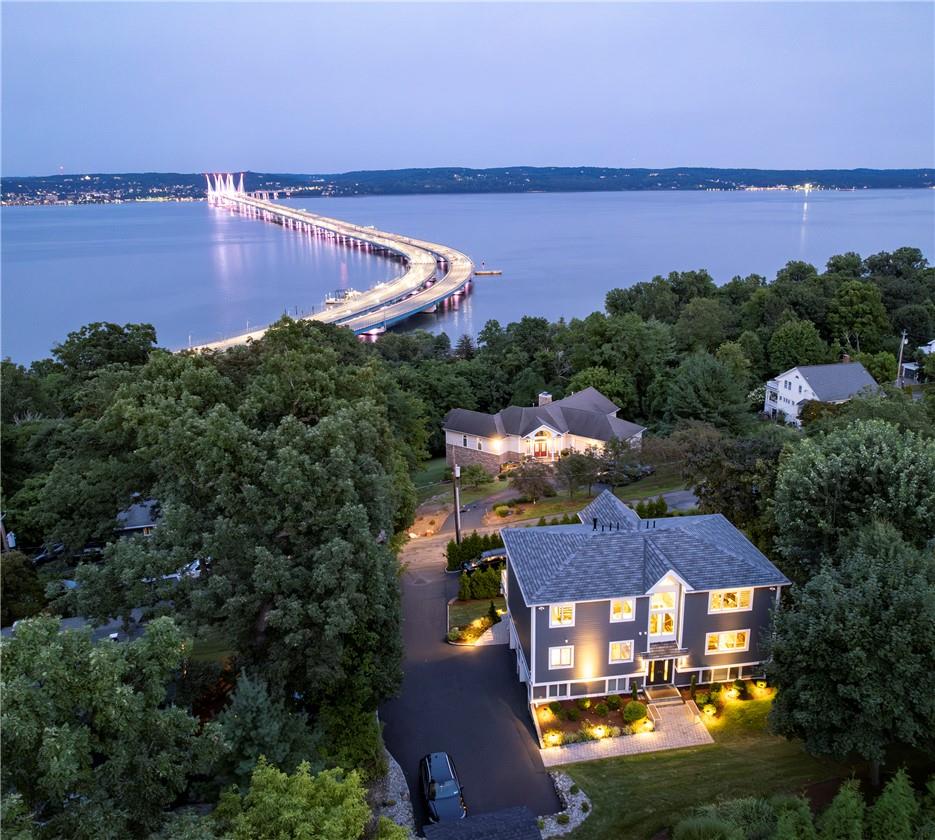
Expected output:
(456, 481)
(899, 364)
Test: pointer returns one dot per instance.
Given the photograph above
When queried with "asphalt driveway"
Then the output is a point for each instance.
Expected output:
(465, 701)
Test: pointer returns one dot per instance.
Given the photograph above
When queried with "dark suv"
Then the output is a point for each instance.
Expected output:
(441, 788)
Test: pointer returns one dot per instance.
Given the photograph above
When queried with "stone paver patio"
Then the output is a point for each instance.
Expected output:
(678, 728)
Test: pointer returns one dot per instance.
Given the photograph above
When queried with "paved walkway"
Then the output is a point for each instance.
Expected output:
(677, 729)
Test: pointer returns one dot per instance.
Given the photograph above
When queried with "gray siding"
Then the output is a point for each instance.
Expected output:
(592, 634)
(520, 613)
(698, 623)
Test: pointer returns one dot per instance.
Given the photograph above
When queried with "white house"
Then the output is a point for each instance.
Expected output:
(837, 383)
(925, 349)
(581, 421)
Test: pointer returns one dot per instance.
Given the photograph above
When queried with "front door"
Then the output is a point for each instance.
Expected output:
(541, 448)
(660, 672)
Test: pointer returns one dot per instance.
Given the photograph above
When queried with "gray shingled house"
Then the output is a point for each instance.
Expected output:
(837, 383)
(618, 601)
(581, 421)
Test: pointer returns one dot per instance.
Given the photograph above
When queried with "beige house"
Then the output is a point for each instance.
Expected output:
(581, 421)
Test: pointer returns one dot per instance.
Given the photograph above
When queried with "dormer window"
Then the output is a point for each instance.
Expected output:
(562, 615)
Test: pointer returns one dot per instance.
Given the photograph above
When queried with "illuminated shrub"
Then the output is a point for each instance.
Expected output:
(634, 711)
(613, 702)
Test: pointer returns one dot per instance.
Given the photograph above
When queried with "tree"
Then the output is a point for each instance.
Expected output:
(794, 820)
(796, 343)
(100, 344)
(703, 324)
(894, 814)
(532, 479)
(331, 805)
(917, 320)
(619, 462)
(465, 348)
(255, 724)
(703, 389)
(843, 819)
(857, 314)
(881, 366)
(617, 386)
(892, 404)
(88, 741)
(731, 354)
(830, 485)
(577, 469)
(21, 593)
(863, 628)
(474, 475)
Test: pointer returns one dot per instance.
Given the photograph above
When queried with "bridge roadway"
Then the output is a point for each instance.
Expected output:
(418, 289)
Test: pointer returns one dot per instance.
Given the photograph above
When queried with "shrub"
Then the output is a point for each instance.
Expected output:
(894, 814)
(705, 828)
(843, 819)
(715, 691)
(601, 710)
(574, 789)
(740, 686)
(555, 707)
(572, 714)
(541, 521)
(613, 702)
(615, 731)
(493, 615)
(794, 819)
(754, 817)
(567, 520)
(554, 521)
(585, 806)
(634, 711)
(465, 589)
(583, 703)
(709, 709)
(702, 699)
(562, 819)
(552, 737)
(501, 510)
(454, 634)
(692, 686)
(539, 822)
(635, 692)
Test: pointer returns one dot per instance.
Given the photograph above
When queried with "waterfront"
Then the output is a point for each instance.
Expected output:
(199, 273)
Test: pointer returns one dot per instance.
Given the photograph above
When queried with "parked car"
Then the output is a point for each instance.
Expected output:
(48, 553)
(441, 789)
(493, 557)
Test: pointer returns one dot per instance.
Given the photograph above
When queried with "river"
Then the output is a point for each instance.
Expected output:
(198, 273)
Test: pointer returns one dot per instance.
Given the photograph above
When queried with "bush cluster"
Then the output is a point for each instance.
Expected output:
(484, 583)
(651, 508)
(634, 711)
(471, 548)
(565, 519)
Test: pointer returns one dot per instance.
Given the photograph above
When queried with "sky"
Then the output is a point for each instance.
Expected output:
(189, 87)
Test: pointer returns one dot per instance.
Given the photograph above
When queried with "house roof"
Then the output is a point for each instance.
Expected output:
(143, 514)
(832, 383)
(587, 413)
(625, 555)
(508, 824)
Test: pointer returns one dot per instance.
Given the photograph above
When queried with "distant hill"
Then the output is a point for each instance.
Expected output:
(97, 188)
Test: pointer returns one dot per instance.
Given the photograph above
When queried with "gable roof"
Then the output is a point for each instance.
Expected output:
(840, 381)
(587, 413)
(623, 555)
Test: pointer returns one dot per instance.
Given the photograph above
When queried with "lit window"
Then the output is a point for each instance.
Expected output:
(561, 657)
(662, 606)
(663, 601)
(622, 609)
(728, 641)
(621, 652)
(562, 615)
(661, 623)
(730, 600)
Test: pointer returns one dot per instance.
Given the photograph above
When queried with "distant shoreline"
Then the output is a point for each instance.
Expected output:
(118, 188)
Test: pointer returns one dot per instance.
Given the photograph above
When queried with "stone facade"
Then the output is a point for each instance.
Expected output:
(465, 456)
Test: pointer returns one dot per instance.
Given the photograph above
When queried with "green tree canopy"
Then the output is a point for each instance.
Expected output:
(796, 343)
(532, 479)
(857, 316)
(88, 740)
(100, 344)
(854, 631)
(703, 389)
(830, 485)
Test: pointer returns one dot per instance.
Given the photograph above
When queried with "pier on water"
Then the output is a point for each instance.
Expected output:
(434, 273)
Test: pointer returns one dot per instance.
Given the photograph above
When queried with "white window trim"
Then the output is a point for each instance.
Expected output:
(571, 623)
(713, 592)
(610, 645)
(562, 667)
(709, 652)
(632, 610)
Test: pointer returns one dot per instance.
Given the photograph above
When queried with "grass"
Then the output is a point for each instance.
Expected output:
(636, 796)
(664, 480)
(429, 479)
(462, 613)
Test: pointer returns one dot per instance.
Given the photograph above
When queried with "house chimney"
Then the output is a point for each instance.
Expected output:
(545, 398)
(845, 358)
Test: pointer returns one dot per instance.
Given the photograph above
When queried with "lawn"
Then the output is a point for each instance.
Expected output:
(664, 480)
(429, 479)
(462, 613)
(634, 797)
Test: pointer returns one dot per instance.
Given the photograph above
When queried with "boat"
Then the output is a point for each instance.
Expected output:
(486, 272)
(340, 296)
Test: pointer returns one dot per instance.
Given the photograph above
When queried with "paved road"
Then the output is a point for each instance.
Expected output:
(462, 700)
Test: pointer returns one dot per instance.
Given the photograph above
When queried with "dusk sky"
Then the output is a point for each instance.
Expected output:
(102, 87)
